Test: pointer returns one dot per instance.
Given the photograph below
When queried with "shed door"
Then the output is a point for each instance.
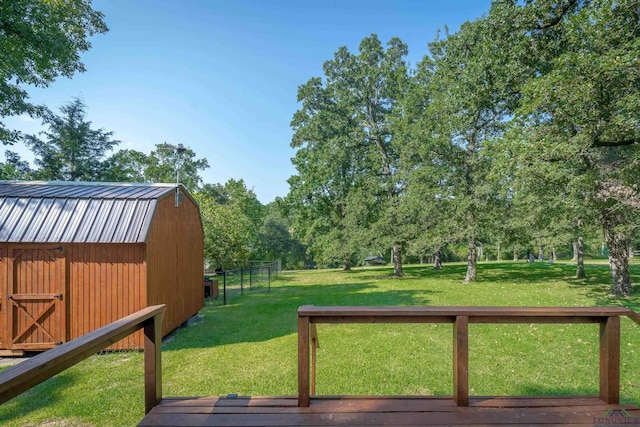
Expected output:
(35, 298)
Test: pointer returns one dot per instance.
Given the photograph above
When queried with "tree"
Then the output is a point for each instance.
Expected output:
(14, 168)
(162, 164)
(71, 150)
(226, 233)
(40, 41)
(235, 193)
(471, 98)
(126, 166)
(318, 202)
(276, 241)
(580, 106)
(346, 155)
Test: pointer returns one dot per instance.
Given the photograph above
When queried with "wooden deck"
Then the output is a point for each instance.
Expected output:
(460, 409)
(390, 411)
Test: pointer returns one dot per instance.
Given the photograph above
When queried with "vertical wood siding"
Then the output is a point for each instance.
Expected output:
(33, 296)
(106, 283)
(175, 261)
(3, 295)
(103, 282)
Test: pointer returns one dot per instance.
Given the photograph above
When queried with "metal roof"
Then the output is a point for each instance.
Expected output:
(55, 212)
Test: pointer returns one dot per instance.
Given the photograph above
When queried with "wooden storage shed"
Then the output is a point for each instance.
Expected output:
(76, 256)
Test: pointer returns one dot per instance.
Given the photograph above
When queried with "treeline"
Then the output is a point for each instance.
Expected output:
(520, 132)
(238, 228)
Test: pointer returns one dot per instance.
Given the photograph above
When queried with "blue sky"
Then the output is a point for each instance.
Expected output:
(221, 76)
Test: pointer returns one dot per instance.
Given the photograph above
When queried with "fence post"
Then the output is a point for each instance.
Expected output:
(269, 270)
(224, 287)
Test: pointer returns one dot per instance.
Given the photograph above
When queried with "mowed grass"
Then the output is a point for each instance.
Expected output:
(249, 346)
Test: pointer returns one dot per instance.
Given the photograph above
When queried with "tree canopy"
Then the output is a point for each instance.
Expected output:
(70, 150)
(40, 41)
(520, 130)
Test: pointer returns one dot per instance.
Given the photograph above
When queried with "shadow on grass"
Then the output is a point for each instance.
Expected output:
(267, 315)
(37, 398)
(260, 315)
(507, 272)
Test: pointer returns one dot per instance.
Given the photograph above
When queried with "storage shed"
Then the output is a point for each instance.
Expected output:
(76, 256)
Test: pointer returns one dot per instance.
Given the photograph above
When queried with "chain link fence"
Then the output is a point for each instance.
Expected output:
(226, 285)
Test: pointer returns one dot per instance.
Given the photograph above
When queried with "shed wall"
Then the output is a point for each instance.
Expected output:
(100, 283)
(175, 261)
(3, 296)
(106, 283)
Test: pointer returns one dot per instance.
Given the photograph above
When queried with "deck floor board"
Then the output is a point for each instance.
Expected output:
(396, 411)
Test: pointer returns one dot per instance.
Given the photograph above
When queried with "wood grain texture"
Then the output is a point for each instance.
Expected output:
(610, 360)
(303, 361)
(392, 411)
(460, 316)
(461, 361)
(33, 371)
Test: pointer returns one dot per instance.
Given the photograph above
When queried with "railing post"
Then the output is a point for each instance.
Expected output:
(303, 361)
(314, 346)
(461, 360)
(610, 360)
(152, 362)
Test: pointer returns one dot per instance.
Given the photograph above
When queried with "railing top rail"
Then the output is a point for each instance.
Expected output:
(378, 313)
(33, 371)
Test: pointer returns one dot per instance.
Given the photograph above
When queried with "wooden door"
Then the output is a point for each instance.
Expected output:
(36, 298)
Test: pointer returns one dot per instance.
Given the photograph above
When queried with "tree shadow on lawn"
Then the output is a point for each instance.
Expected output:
(597, 286)
(505, 272)
(268, 315)
(39, 397)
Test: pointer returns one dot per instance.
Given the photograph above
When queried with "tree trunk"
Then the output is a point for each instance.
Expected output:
(578, 246)
(346, 263)
(397, 260)
(499, 255)
(437, 263)
(515, 253)
(541, 254)
(618, 243)
(575, 250)
(421, 259)
(471, 260)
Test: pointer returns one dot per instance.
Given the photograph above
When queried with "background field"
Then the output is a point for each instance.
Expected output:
(249, 346)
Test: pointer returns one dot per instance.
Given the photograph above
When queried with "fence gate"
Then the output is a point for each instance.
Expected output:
(36, 298)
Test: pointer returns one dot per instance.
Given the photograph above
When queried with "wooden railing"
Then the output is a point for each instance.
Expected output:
(37, 369)
(460, 317)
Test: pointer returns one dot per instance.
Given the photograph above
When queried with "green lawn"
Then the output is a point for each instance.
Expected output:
(249, 346)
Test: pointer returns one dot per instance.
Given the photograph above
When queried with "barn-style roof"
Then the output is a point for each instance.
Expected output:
(53, 212)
